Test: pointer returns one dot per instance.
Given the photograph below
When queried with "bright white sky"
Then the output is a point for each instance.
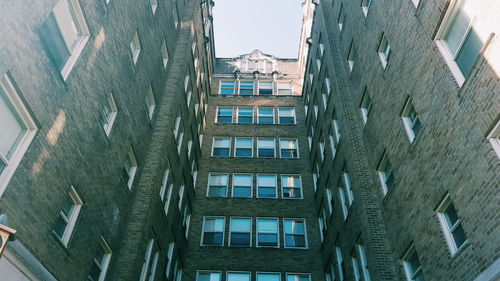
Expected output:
(272, 26)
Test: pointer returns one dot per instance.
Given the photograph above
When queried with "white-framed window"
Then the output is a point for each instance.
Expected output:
(360, 263)
(129, 168)
(318, 61)
(225, 114)
(204, 275)
(177, 271)
(186, 219)
(494, 137)
(242, 185)
(68, 216)
(267, 232)
(217, 185)
(65, 33)
(135, 47)
(384, 51)
(410, 120)
(340, 262)
(322, 149)
(329, 197)
(365, 6)
(289, 148)
(240, 232)
(411, 265)
(175, 15)
(246, 88)
(330, 273)
(286, 115)
(213, 231)
(341, 17)
(265, 115)
(386, 174)
(451, 224)
(150, 102)
(238, 276)
(266, 147)
(295, 233)
(221, 147)
(351, 56)
(243, 147)
(316, 111)
(170, 258)
(101, 262)
(18, 130)
(285, 88)
(267, 186)
(345, 193)
(461, 38)
(164, 53)
(298, 277)
(268, 276)
(265, 88)
(227, 88)
(166, 189)
(291, 187)
(335, 136)
(365, 106)
(245, 115)
(109, 112)
(180, 197)
(154, 5)
(150, 262)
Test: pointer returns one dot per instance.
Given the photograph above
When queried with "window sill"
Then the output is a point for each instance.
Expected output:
(70, 63)
(452, 65)
(460, 249)
(60, 242)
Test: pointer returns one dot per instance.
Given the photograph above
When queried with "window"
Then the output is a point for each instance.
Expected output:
(238, 276)
(149, 265)
(340, 262)
(285, 88)
(150, 102)
(135, 47)
(494, 137)
(65, 34)
(386, 174)
(411, 121)
(221, 147)
(286, 115)
(154, 5)
(242, 185)
(166, 190)
(341, 17)
(291, 186)
(318, 60)
(68, 216)
(129, 168)
(224, 115)
(267, 232)
(351, 56)
(265, 115)
(365, 6)
(217, 185)
(366, 106)
(245, 115)
(384, 51)
(17, 127)
(298, 277)
(459, 38)
(266, 147)
(164, 53)
(345, 192)
(289, 148)
(267, 276)
(170, 258)
(240, 230)
(227, 88)
(243, 147)
(175, 15)
(186, 219)
(109, 112)
(335, 134)
(246, 88)
(266, 186)
(181, 197)
(360, 263)
(411, 265)
(295, 233)
(213, 231)
(101, 262)
(265, 88)
(208, 276)
(452, 225)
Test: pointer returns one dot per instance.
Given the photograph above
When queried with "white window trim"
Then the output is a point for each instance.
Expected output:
(305, 233)
(114, 111)
(382, 174)
(452, 246)
(238, 114)
(164, 183)
(223, 231)
(151, 98)
(259, 115)
(360, 249)
(213, 145)
(170, 257)
(340, 259)
(382, 47)
(106, 258)
(217, 114)
(208, 183)
(251, 185)
(147, 260)
(408, 272)
(13, 98)
(266, 273)
(251, 234)
(272, 87)
(71, 222)
(164, 53)
(351, 57)
(494, 137)
(257, 152)
(257, 232)
(365, 6)
(296, 142)
(283, 82)
(297, 273)
(154, 6)
(366, 108)
(235, 271)
(406, 120)
(246, 81)
(208, 271)
(138, 47)
(294, 115)
(275, 185)
(283, 187)
(234, 87)
(235, 147)
(133, 169)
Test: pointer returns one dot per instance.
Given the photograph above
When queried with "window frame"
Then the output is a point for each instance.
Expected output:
(132, 172)
(351, 55)
(409, 274)
(246, 82)
(223, 231)
(303, 220)
(209, 271)
(110, 119)
(257, 273)
(257, 232)
(221, 82)
(238, 114)
(106, 260)
(382, 173)
(494, 137)
(236, 271)
(258, 148)
(218, 115)
(208, 184)
(446, 229)
(297, 144)
(236, 146)
(137, 47)
(297, 274)
(77, 204)
(165, 56)
(384, 51)
(278, 83)
(259, 115)
(299, 188)
(259, 88)
(293, 113)
(150, 102)
(250, 232)
(229, 147)
(366, 106)
(251, 184)
(257, 186)
(408, 123)
(365, 6)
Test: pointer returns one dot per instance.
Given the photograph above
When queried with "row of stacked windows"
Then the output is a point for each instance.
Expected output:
(265, 147)
(263, 88)
(257, 115)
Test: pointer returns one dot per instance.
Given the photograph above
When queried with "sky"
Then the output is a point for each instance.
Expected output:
(272, 26)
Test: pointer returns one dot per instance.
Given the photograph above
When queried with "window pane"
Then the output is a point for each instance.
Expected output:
(295, 240)
(217, 191)
(55, 42)
(242, 180)
(208, 276)
(459, 236)
(457, 30)
(295, 227)
(266, 180)
(68, 28)
(240, 239)
(240, 225)
(290, 181)
(212, 238)
(214, 225)
(268, 277)
(265, 88)
(232, 276)
(60, 226)
(267, 225)
(246, 88)
(11, 127)
(218, 180)
(469, 52)
(451, 215)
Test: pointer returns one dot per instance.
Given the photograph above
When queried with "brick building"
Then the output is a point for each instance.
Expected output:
(128, 151)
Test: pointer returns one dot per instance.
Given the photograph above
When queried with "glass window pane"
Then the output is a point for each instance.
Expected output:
(244, 143)
(218, 180)
(469, 52)
(242, 180)
(458, 27)
(290, 144)
(214, 225)
(268, 277)
(290, 181)
(11, 127)
(451, 215)
(264, 180)
(459, 236)
(67, 25)
(240, 225)
(295, 227)
(267, 226)
(232, 276)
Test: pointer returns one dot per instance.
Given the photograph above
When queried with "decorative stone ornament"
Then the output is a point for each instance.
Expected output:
(6, 233)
